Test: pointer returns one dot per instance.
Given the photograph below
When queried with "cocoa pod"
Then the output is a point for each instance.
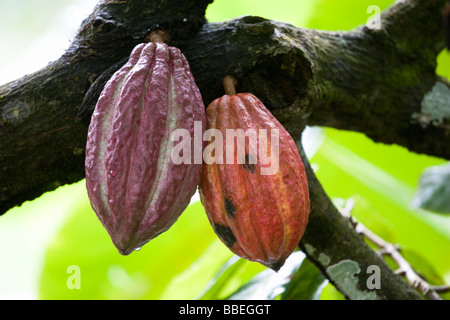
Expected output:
(134, 187)
(258, 216)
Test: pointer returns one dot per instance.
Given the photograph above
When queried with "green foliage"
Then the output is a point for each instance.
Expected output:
(188, 262)
(228, 279)
(351, 165)
(433, 192)
(145, 274)
(269, 285)
(306, 284)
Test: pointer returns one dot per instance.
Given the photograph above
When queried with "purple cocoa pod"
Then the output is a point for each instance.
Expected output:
(134, 186)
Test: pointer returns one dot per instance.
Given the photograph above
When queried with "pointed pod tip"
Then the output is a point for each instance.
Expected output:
(125, 252)
(276, 266)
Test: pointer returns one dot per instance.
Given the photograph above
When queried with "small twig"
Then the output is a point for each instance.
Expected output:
(441, 289)
(386, 248)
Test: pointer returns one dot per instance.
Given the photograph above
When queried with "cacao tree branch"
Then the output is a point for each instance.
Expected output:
(363, 80)
(386, 248)
(42, 141)
(342, 255)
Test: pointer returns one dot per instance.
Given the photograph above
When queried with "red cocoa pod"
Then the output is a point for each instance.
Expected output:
(259, 216)
(134, 187)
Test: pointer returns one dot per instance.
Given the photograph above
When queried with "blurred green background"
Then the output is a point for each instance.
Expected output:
(41, 240)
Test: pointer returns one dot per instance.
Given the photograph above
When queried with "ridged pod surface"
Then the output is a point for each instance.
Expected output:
(260, 217)
(134, 187)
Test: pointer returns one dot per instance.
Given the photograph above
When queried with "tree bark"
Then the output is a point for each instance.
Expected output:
(378, 82)
(342, 255)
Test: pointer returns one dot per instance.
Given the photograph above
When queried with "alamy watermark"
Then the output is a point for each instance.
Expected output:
(374, 280)
(229, 149)
(374, 21)
(74, 280)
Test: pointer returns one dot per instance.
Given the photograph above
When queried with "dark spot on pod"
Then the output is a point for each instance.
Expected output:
(229, 208)
(225, 234)
(247, 165)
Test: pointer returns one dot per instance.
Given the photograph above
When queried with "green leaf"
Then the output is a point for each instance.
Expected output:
(217, 284)
(331, 293)
(268, 285)
(382, 180)
(231, 275)
(443, 67)
(422, 266)
(105, 274)
(190, 283)
(425, 269)
(255, 289)
(307, 283)
(433, 192)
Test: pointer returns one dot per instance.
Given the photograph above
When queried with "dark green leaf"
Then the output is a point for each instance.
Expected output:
(258, 288)
(221, 278)
(433, 192)
(105, 274)
(422, 266)
(268, 285)
(307, 283)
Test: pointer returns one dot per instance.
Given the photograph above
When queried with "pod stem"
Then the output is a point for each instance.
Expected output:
(160, 36)
(229, 84)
